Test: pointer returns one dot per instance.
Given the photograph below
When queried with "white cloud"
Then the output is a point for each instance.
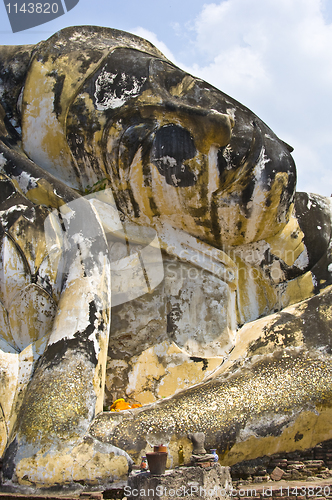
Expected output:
(152, 37)
(274, 56)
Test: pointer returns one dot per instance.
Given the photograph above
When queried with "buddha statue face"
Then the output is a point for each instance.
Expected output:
(174, 148)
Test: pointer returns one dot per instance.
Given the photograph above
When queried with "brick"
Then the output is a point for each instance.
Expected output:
(91, 495)
(277, 474)
(314, 463)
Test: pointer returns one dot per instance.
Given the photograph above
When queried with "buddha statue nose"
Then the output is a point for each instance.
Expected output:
(216, 131)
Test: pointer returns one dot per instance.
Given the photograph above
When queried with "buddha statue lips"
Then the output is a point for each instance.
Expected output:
(117, 168)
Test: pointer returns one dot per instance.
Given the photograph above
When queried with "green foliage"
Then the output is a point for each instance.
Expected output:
(98, 186)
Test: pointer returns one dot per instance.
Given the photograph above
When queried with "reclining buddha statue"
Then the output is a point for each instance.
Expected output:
(153, 248)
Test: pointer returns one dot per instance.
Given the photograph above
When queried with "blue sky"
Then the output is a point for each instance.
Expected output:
(275, 56)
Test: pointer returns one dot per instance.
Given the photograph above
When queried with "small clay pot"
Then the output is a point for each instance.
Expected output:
(161, 448)
(157, 462)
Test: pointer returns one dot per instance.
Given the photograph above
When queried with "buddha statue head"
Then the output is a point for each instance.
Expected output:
(106, 105)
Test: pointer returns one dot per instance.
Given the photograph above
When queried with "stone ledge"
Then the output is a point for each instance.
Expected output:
(279, 490)
(212, 482)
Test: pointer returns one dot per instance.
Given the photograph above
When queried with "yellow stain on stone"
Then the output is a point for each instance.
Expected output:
(82, 463)
(9, 376)
(185, 375)
(326, 312)
(43, 136)
(298, 289)
(92, 141)
(3, 130)
(174, 349)
(186, 84)
(44, 194)
(44, 132)
(164, 370)
(252, 331)
(236, 229)
(256, 295)
(72, 313)
(141, 192)
(308, 430)
(146, 370)
(206, 129)
(275, 197)
(5, 331)
(3, 435)
(214, 129)
(31, 239)
(16, 370)
(15, 277)
(288, 243)
(145, 397)
(146, 100)
(30, 315)
(100, 372)
(171, 204)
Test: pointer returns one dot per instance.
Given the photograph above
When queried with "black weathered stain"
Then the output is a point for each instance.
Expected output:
(221, 162)
(172, 146)
(172, 317)
(310, 215)
(91, 56)
(13, 69)
(57, 89)
(195, 359)
(298, 436)
(55, 353)
(9, 464)
(132, 140)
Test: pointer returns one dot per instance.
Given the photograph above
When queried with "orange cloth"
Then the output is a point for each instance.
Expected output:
(121, 404)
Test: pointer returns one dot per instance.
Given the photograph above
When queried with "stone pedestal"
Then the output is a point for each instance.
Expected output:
(184, 482)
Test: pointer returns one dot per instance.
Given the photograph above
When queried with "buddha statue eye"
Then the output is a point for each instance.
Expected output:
(173, 145)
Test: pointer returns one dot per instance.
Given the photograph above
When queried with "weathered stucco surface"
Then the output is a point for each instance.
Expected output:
(152, 247)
